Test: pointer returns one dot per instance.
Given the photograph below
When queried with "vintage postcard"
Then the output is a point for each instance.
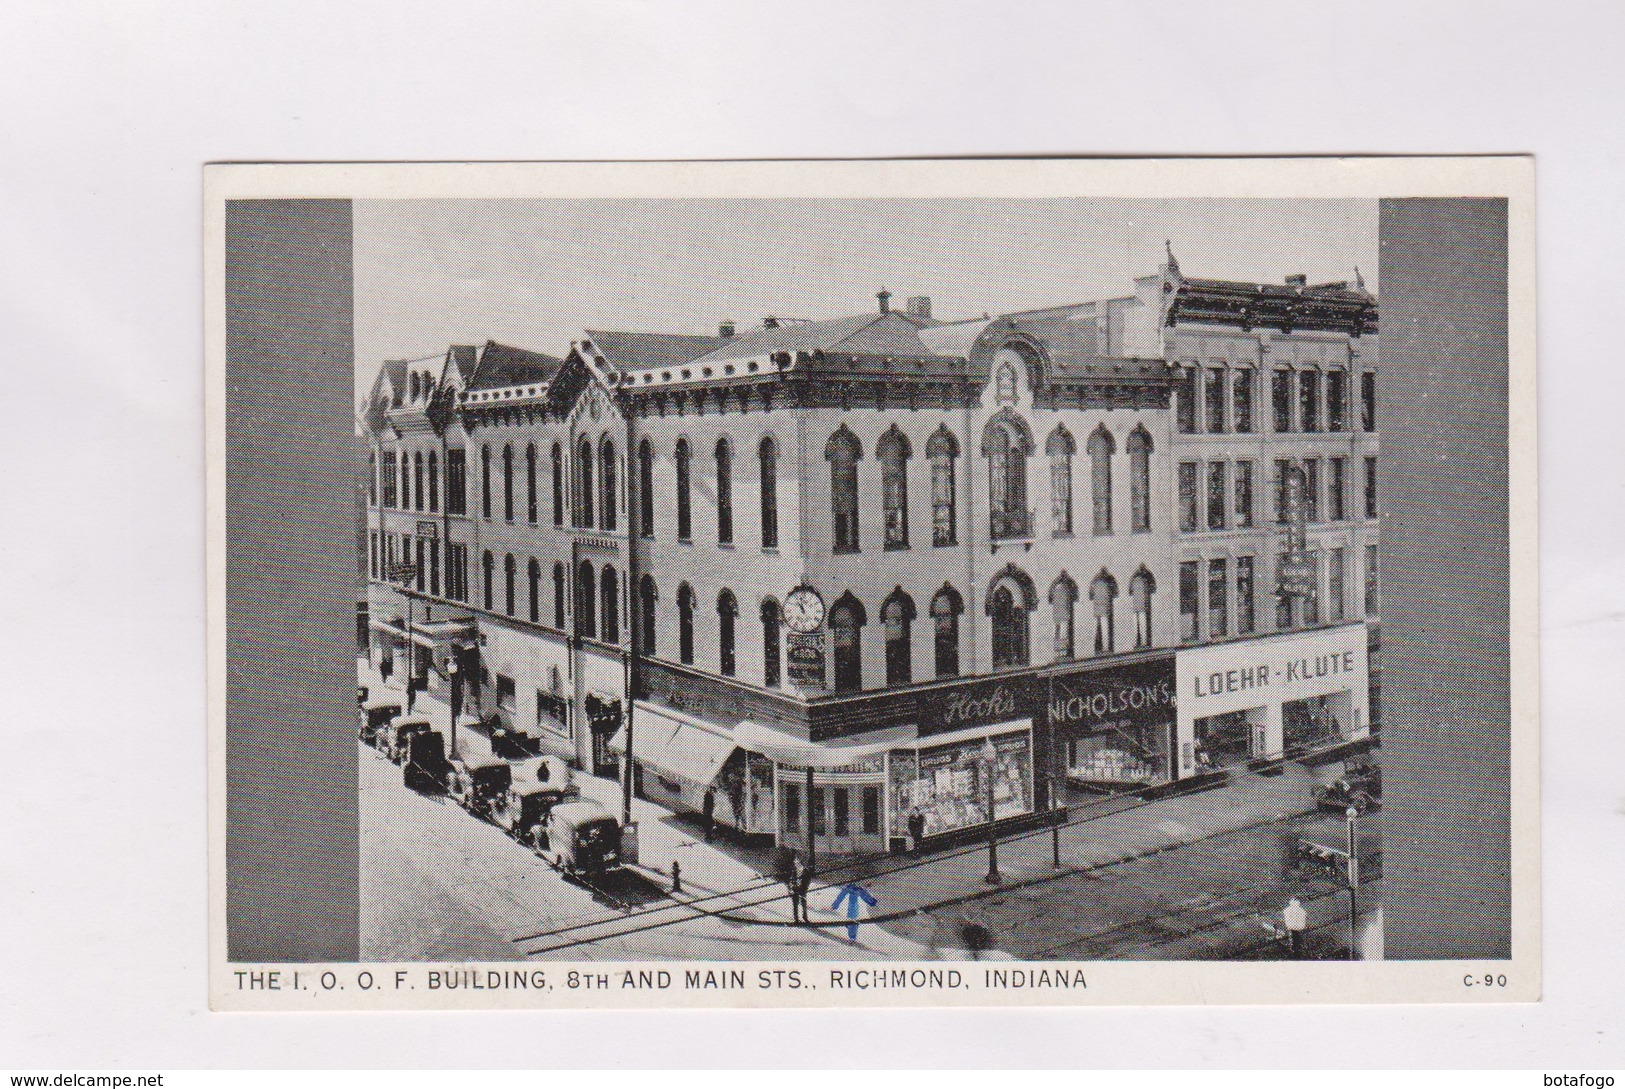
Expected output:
(882, 583)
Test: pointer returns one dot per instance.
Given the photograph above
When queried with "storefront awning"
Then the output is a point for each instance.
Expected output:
(434, 633)
(681, 747)
(798, 752)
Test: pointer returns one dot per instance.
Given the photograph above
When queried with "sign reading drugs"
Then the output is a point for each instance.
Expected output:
(805, 654)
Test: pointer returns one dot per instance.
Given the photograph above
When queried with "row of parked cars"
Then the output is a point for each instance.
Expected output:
(534, 799)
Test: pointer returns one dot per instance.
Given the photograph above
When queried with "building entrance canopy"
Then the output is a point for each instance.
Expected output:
(679, 747)
(796, 752)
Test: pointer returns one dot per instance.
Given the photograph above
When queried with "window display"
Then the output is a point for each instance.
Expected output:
(947, 787)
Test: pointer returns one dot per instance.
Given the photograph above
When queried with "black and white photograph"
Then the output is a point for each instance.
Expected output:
(990, 586)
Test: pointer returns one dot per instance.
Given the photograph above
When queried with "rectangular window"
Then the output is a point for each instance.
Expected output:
(815, 811)
(1190, 601)
(1189, 520)
(1218, 493)
(372, 554)
(1309, 400)
(1368, 401)
(1245, 619)
(1281, 400)
(871, 811)
(1218, 606)
(841, 798)
(1215, 401)
(457, 569)
(1283, 612)
(1241, 399)
(1370, 487)
(1311, 489)
(1371, 607)
(1186, 400)
(389, 479)
(507, 699)
(1336, 400)
(1311, 603)
(434, 568)
(1336, 510)
(1244, 495)
(1283, 473)
(1334, 585)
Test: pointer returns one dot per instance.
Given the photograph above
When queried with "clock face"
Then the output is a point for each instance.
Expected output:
(804, 610)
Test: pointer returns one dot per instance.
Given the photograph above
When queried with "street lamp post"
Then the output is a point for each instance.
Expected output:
(1354, 883)
(454, 672)
(990, 761)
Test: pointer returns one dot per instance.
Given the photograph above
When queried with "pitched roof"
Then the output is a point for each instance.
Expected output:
(632, 351)
(502, 365)
(892, 333)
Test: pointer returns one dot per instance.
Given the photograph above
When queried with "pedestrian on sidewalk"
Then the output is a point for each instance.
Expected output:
(916, 829)
(804, 880)
(386, 665)
(708, 813)
(1295, 919)
(784, 868)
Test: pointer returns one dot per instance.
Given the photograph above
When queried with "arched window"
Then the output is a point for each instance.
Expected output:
(893, 450)
(843, 451)
(945, 609)
(725, 492)
(508, 584)
(609, 611)
(897, 615)
(582, 511)
(646, 489)
(485, 482)
(685, 624)
(1141, 588)
(608, 501)
(560, 596)
(1010, 599)
(1101, 448)
(1062, 596)
(558, 485)
(434, 482)
(507, 483)
(586, 601)
(685, 498)
(1103, 594)
(533, 573)
(846, 621)
(727, 613)
(1139, 480)
(768, 455)
(1059, 448)
(488, 566)
(530, 483)
(417, 481)
(1007, 443)
(940, 450)
(647, 596)
(771, 621)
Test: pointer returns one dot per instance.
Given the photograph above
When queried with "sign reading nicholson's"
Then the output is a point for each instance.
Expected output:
(1137, 694)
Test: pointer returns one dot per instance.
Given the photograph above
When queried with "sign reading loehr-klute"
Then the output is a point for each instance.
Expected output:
(1237, 676)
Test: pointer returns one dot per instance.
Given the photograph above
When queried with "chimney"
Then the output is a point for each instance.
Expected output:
(919, 306)
(1297, 279)
(770, 322)
(885, 300)
(726, 329)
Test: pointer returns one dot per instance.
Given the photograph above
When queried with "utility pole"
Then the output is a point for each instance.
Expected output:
(1354, 883)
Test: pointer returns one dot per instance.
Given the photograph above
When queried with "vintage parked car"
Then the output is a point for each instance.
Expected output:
(477, 780)
(395, 738)
(1360, 788)
(375, 715)
(537, 787)
(579, 838)
(427, 770)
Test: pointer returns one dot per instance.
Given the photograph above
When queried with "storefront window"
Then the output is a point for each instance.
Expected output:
(1128, 755)
(947, 784)
(1223, 740)
(1309, 723)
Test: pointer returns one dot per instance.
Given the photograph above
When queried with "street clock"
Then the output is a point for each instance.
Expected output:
(804, 610)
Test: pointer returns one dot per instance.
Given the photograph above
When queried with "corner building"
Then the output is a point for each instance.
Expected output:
(984, 516)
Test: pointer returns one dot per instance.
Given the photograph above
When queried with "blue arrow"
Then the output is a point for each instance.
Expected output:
(855, 896)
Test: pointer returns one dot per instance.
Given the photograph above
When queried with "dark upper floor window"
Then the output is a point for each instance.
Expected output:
(533, 581)
(1246, 621)
(1103, 598)
(530, 483)
(1063, 595)
(941, 450)
(727, 613)
(897, 615)
(1185, 399)
(508, 573)
(894, 452)
(1007, 608)
(846, 620)
(1218, 598)
(767, 455)
(1007, 443)
(1337, 400)
(1244, 495)
(1189, 501)
(1142, 588)
(1370, 487)
(582, 509)
(1281, 400)
(389, 478)
(771, 635)
(561, 595)
(1059, 448)
(648, 595)
(685, 497)
(456, 481)
(1368, 401)
(608, 485)
(1214, 404)
(586, 601)
(1101, 448)
(1336, 509)
(843, 451)
(725, 491)
(1218, 494)
(646, 489)
(945, 609)
(1309, 400)
(685, 624)
(1190, 602)
(1311, 489)
(507, 483)
(488, 566)
(1241, 398)
(1139, 480)
(558, 484)
(434, 482)
(485, 482)
(609, 604)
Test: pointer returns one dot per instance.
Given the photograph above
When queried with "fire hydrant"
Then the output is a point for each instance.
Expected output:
(676, 876)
